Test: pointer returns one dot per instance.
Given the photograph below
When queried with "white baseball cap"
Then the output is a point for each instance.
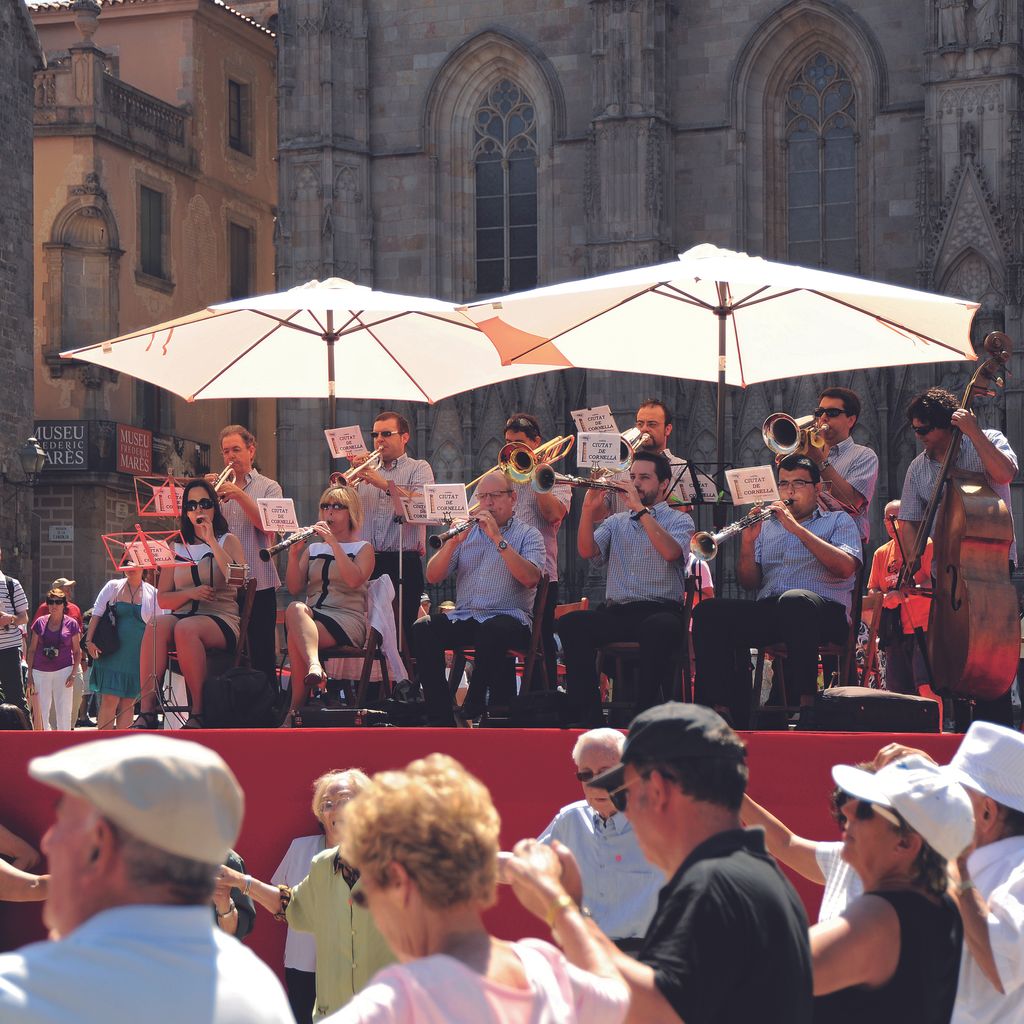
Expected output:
(176, 795)
(923, 794)
(991, 760)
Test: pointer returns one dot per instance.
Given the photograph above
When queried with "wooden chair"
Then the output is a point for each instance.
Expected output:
(531, 657)
(582, 605)
(369, 653)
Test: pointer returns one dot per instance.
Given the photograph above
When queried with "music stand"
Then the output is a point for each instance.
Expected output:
(159, 496)
(144, 550)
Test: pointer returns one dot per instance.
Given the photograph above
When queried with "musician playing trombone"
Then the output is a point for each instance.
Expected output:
(238, 493)
(392, 541)
(497, 563)
(646, 550)
(546, 512)
(802, 562)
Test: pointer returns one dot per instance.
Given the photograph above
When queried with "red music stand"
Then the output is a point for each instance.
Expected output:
(159, 495)
(144, 550)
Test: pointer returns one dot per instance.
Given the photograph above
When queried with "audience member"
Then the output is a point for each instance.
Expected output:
(620, 888)
(426, 842)
(728, 941)
(233, 910)
(13, 614)
(141, 824)
(349, 948)
(54, 655)
(17, 860)
(12, 718)
(893, 954)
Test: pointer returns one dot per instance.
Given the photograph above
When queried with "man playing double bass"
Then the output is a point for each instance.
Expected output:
(933, 415)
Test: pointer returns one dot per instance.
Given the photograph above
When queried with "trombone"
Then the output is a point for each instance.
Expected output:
(545, 479)
(351, 476)
(518, 461)
(786, 436)
(705, 545)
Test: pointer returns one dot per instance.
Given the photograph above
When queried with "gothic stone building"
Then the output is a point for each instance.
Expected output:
(460, 149)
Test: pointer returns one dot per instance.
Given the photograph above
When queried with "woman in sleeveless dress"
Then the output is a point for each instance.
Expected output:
(203, 605)
(115, 675)
(333, 572)
(893, 955)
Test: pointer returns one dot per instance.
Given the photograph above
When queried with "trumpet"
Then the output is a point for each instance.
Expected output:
(705, 545)
(545, 478)
(351, 476)
(518, 461)
(266, 554)
(631, 441)
(438, 540)
(785, 435)
(227, 476)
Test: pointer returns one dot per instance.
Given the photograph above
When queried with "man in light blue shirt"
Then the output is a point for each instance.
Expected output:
(802, 562)
(620, 886)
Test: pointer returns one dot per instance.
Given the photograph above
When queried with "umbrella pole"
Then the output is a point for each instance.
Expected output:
(332, 396)
(718, 513)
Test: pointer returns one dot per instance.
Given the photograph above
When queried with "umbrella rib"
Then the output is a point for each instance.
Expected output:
(288, 322)
(360, 326)
(391, 355)
(139, 334)
(241, 355)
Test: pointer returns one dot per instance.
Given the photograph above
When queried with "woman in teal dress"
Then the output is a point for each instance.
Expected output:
(115, 676)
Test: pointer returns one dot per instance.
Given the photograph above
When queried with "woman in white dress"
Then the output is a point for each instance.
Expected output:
(333, 571)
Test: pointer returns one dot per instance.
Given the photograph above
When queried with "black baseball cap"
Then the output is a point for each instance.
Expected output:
(670, 732)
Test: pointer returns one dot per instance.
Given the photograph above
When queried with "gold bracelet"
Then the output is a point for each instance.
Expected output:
(563, 901)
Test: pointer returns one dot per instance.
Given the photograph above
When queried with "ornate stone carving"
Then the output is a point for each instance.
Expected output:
(988, 22)
(952, 24)
(90, 187)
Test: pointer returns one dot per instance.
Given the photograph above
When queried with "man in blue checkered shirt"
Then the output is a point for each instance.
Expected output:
(803, 563)
(645, 549)
(497, 564)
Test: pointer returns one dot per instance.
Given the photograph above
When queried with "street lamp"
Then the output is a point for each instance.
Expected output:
(32, 458)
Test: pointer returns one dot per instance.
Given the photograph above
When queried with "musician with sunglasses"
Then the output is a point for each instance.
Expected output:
(849, 471)
(932, 415)
(620, 887)
(803, 563)
(394, 542)
(203, 604)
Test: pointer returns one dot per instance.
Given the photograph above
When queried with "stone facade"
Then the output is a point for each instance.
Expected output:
(20, 55)
(658, 125)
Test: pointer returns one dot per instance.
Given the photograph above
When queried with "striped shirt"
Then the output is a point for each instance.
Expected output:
(858, 466)
(256, 485)
(484, 587)
(787, 565)
(675, 496)
(529, 512)
(10, 636)
(379, 528)
(924, 471)
(636, 572)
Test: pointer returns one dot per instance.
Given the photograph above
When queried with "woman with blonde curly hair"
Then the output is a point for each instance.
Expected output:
(333, 572)
(425, 841)
(323, 902)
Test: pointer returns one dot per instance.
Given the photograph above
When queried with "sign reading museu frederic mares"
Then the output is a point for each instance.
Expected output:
(66, 443)
(134, 449)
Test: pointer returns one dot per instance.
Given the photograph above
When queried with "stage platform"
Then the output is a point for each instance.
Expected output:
(529, 773)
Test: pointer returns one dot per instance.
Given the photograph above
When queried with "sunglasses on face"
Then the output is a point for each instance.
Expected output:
(203, 503)
(620, 797)
(332, 506)
(865, 811)
(54, 600)
(830, 413)
(586, 775)
(382, 433)
(923, 431)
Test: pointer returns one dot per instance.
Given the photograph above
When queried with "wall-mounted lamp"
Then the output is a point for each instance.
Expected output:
(32, 458)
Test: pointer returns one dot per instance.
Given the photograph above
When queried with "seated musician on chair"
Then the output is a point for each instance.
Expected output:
(803, 564)
(334, 571)
(203, 603)
(497, 563)
(646, 550)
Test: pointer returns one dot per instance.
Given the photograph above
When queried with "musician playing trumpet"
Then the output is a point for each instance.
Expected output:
(497, 563)
(802, 562)
(333, 569)
(392, 541)
(646, 550)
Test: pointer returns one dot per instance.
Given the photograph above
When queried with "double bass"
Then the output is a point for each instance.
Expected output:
(974, 625)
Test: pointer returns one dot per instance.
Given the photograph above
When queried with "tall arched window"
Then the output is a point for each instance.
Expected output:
(821, 182)
(505, 160)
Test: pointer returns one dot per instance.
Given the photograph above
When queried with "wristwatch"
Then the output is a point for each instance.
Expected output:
(824, 465)
(645, 511)
(502, 545)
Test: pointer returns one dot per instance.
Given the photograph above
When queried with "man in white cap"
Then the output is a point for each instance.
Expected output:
(142, 824)
(990, 891)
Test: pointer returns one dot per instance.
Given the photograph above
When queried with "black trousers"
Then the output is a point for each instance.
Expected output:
(656, 626)
(724, 630)
(491, 669)
(11, 683)
(262, 633)
(301, 986)
(547, 632)
(412, 569)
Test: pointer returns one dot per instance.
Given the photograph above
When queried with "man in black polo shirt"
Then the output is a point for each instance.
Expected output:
(728, 941)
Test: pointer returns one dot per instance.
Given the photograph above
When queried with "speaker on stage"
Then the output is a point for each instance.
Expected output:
(861, 709)
(314, 717)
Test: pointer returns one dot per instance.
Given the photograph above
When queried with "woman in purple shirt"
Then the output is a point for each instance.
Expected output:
(54, 654)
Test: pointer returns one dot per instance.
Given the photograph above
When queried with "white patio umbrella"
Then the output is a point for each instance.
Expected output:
(718, 315)
(294, 344)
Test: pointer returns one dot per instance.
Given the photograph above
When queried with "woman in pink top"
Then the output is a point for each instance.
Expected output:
(426, 842)
(54, 654)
